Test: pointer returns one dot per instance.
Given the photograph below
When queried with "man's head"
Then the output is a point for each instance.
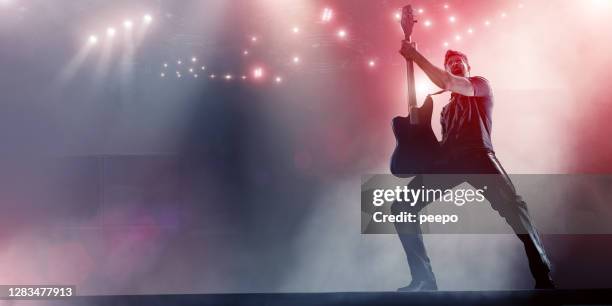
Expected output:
(456, 63)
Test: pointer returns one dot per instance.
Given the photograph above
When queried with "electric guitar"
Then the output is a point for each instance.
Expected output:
(416, 144)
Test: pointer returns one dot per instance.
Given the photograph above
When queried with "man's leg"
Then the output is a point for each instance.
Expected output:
(411, 237)
(504, 199)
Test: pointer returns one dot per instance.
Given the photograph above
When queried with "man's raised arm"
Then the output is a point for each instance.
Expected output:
(440, 77)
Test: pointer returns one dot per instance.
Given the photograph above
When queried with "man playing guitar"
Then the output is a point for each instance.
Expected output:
(466, 148)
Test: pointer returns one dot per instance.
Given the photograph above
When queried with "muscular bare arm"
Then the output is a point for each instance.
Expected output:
(440, 77)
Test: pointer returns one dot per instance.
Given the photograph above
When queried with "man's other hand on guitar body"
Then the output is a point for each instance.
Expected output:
(453, 78)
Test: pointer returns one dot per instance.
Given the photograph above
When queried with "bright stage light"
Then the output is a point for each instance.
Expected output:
(503, 15)
(327, 14)
(371, 63)
(446, 6)
(194, 59)
(190, 70)
(296, 59)
(243, 77)
(93, 39)
(278, 79)
(128, 24)
(341, 33)
(228, 77)
(147, 19)
(253, 38)
(487, 23)
(245, 52)
(427, 23)
(422, 87)
(421, 11)
(457, 37)
(179, 62)
(110, 32)
(162, 74)
(295, 30)
(445, 44)
(397, 16)
(452, 19)
(165, 65)
(195, 75)
(212, 76)
(203, 67)
(470, 31)
(258, 73)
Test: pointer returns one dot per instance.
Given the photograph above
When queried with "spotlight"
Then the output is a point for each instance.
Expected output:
(457, 37)
(296, 59)
(446, 6)
(190, 70)
(451, 19)
(341, 33)
(110, 32)
(243, 77)
(503, 15)
(295, 30)
(470, 31)
(258, 73)
(147, 19)
(128, 24)
(245, 52)
(162, 75)
(427, 23)
(195, 75)
(179, 62)
(278, 80)
(203, 68)
(397, 16)
(254, 38)
(194, 59)
(421, 11)
(93, 39)
(212, 76)
(487, 23)
(228, 77)
(371, 63)
(327, 14)
(165, 65)
(445, 44)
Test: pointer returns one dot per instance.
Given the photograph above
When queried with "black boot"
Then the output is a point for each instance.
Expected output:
(420, 285)
(545, 283)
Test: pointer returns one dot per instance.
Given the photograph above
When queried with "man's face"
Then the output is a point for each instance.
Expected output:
(457, 66)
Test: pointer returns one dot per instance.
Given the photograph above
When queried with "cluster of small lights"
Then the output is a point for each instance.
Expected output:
(257, 73)
(189, 67)
(111, 31)
(453, 20)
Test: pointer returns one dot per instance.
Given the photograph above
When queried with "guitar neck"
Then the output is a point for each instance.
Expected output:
(411, 89)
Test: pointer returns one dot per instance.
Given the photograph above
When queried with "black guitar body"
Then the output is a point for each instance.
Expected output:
(417, 146)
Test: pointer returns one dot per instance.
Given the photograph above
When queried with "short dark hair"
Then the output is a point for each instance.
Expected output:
(450, 53)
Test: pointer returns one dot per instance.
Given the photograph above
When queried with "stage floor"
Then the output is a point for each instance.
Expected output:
(519, 297)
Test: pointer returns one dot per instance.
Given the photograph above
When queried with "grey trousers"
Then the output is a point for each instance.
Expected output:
(502, 195)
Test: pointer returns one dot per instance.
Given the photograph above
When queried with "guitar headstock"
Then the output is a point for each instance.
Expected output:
(407, 21)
